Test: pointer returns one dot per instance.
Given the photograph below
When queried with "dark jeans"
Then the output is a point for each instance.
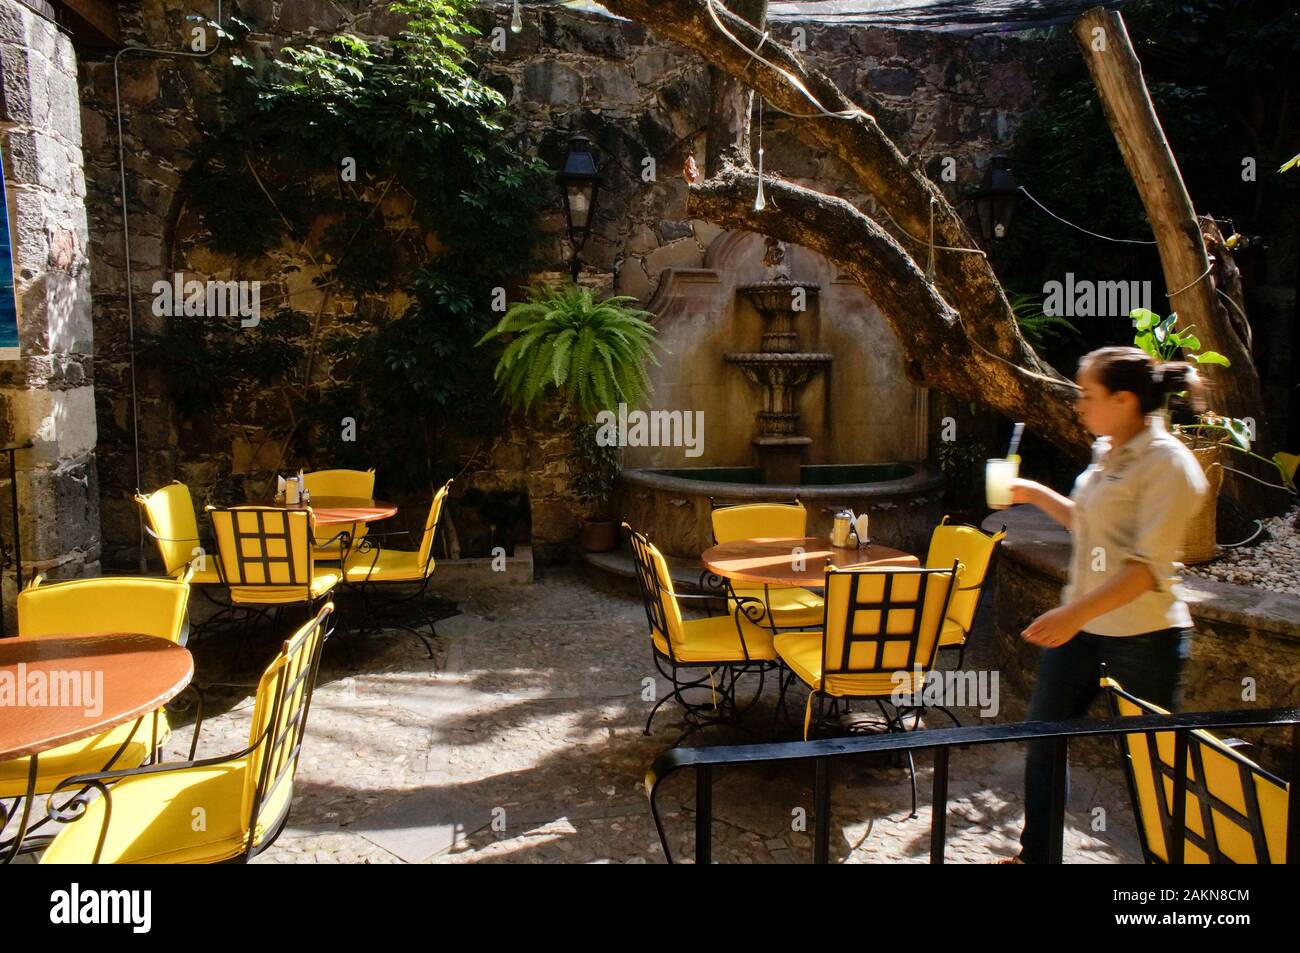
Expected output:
(1149, 666)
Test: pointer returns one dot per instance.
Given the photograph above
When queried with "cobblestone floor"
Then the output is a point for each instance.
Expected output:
(521, 742)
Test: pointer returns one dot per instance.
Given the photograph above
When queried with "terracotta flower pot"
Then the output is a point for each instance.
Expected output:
(599, 536)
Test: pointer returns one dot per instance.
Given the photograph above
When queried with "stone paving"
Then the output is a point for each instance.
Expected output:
(521, 742)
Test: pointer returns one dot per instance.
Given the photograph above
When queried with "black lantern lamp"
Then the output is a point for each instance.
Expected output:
(996, 199)
(580, 183)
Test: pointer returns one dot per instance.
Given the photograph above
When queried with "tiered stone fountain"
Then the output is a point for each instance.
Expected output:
(780, 368)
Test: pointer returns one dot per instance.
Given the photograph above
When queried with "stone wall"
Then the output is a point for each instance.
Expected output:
(47, 396)
(636, 96)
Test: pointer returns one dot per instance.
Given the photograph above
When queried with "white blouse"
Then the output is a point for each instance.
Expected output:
(1134, 503)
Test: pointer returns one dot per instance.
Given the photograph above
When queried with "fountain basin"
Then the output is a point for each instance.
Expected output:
(671, 505)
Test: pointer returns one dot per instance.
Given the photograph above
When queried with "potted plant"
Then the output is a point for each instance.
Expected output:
(592, 355)
(1209, 434)
(595, 469)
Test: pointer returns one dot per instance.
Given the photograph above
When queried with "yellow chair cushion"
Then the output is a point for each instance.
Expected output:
(87, 756)
(154, 818)
(1222, 779)
(389, 565)
(790, 606)
(951, 633)
(715, 640)
(322, 581)
(802, 653)
(759, 520)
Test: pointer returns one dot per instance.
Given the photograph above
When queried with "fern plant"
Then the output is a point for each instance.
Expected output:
(592, 353)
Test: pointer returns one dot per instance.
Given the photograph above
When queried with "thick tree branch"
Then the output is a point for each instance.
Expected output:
(967, 281)
(933, 336)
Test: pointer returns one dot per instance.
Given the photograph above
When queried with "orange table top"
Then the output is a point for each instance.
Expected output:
(334, 510)
(56, 689)
(772, 561)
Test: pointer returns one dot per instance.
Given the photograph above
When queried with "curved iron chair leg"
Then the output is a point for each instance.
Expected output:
(676, 692)
(762, 674)
(654, 711)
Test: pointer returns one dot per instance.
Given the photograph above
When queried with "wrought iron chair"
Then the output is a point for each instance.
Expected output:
(267, 558)
(359, 484)
(370, 567)
(1235, 811)
(733, 644)
(791, 607)
(147, 814)
(88, 607)
(879, 638)
(169, 520)
(976, 552)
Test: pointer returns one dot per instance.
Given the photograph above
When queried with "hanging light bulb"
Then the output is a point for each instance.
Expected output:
(760, 202)
(517, 19)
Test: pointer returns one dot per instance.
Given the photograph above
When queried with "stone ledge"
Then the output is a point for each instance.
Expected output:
(450, 575)
(1038, 542)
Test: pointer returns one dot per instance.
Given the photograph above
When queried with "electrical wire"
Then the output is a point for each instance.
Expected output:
(793, 80)
(1259, 528)
(1106, 238)
(126, 241)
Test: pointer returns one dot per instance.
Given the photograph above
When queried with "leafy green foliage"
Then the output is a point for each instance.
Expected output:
(386, 166)
(1161, 338)
(594, 354)
(1039, 329)
(595, 467)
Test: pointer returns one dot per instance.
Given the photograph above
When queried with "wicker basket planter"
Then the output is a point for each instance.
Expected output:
(1202, 528)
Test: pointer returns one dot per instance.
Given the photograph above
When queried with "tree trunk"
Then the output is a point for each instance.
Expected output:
(1115, 69)
(730, 102)
(1234, 391)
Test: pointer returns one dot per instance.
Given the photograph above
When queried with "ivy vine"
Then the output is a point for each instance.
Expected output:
(384, 168)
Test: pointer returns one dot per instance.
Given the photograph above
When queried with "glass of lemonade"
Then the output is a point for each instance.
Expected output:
(998, 474)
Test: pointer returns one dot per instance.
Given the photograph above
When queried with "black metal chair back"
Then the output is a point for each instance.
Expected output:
(265, 553)
(883, 620)
(1235, 812)
(279, 720)
(662, 613)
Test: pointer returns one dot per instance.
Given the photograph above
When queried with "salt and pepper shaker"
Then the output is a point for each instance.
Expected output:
(860, 527)
(840, 529)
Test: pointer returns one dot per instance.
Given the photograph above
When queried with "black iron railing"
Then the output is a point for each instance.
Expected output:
(823, 751)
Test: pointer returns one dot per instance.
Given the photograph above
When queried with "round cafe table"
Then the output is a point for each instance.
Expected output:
(139, 673)
(335, 510)
(771, 561)
(131, 676)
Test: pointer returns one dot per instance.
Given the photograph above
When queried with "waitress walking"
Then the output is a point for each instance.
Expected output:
(1127, 517)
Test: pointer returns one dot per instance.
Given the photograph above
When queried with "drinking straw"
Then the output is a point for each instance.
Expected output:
(1016, 433)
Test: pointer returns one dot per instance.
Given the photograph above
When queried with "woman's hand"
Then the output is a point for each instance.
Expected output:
(1026, 491)
(1054, 627)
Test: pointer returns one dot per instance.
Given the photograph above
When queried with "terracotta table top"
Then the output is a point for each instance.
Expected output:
(771, 561)
(333, 510)
(88, 685)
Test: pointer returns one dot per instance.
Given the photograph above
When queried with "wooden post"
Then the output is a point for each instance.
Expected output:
(1115, 69)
